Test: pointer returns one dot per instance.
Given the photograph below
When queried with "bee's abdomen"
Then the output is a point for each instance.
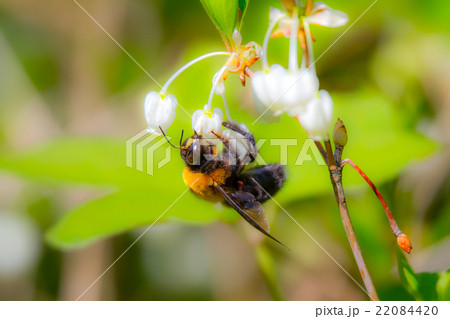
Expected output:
(202, 184)
(263, 181)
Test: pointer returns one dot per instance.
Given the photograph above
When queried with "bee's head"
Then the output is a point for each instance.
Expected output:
(195, 151)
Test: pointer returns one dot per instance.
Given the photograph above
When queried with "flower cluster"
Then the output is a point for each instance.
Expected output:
(295, 90)
(276, 90)
(159, 108)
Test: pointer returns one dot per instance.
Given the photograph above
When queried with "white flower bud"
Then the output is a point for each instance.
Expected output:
(282, 90)
(321, 14)
(237, 38)
(317, 116)
(203, 121)
(159, 111)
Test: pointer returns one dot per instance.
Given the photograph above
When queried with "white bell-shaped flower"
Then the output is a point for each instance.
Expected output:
(204, 121)
(321, 14)
(242, 148)
(159, 111)
(317, 116)
(275, 15)
(281, 90)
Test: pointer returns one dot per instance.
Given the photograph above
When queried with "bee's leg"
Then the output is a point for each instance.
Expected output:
(229, 156)
(241, 130)
(212, 163)
(209, 166)
(224, 140)
(251, 147)
(263, 181)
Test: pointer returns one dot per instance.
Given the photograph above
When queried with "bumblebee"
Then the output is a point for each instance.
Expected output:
(222, 176)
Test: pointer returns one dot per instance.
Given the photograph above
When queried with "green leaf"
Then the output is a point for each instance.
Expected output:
(95, 161)
(127, 210)
(227, 15)
(243, 4)
(443, 286)
(89, 161)
(407, 276)
(422, 286)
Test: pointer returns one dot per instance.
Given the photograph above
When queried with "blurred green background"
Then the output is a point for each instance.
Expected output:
(70, 98)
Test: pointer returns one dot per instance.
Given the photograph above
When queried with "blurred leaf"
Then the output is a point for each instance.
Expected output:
(92, 161)
(422, 286)
(407, 276)
(243, 4)
(443, 286)
(267, 266)
(227, 15)
(125, 210)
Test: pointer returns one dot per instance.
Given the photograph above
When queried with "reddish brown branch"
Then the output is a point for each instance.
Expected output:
(402, 239)
(336, 181)
(331, 161)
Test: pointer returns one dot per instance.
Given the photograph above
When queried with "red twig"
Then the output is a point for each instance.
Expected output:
(402, 239)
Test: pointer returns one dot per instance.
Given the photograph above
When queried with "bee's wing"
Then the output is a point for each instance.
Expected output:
(251, 210)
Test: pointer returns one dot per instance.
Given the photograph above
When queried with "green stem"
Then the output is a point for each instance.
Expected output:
(267, 267)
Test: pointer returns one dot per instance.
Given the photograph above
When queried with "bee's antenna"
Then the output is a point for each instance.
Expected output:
(168, 139)
(181, 138)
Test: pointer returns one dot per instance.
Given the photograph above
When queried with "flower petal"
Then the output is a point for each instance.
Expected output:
(317, 116)
(321, 14)
(275, 15)
(159, 111)
(298, 88)
(204, 121)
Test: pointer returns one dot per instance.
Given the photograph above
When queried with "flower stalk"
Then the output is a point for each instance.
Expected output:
(216, 81)
(187, 65)
(293, 58)
(267, 36)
